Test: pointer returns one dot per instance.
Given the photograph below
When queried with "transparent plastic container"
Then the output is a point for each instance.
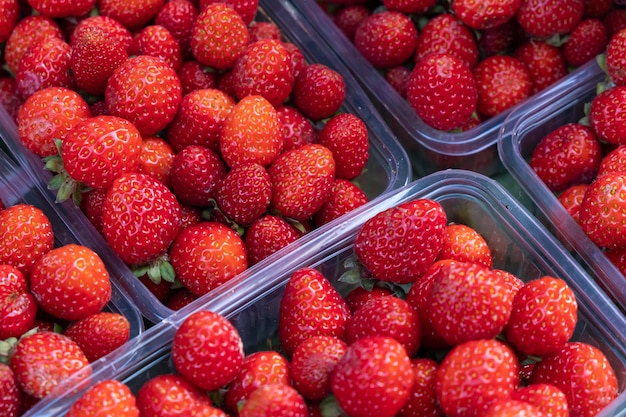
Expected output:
(429, 149)
(520, 244)
(520, 134)
(388, 166)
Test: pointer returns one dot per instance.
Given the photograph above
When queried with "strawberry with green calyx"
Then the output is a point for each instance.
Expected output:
(18, 306)
(108, 396)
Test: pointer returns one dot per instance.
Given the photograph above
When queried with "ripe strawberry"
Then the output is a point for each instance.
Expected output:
(554, 17)
(346, 135)
(146, 91)
(195, 175)
(318, 91)
(572, 197)
(71, 282)
(17, 305)
(310, 306)
(274, 400)
(92, 205)
(297, 129)
(132, 14)
(507, 407)
(587, 40)
(179, 298)
(219, 21)
(247, 9)
(26, 235)
(42, 361)
(446, 34)
(386, 39)
(259, 368)
(157, 41)
(601, 213)
(302, 181)
(244, 193)
(138, 206)
(550, 400)
(156, 158)
(422, 400)
(359, 296)
(583, 373)
(398, 79)
(99, 334)
(605, 116)
(464, 243)
(10, 397)
(220, 359)
(615, 62)
(166, 395)
(45, 64)
(566, 156)
(10, 98)
(55, 9)
(486, 14)
(598, 8)
(409, 6)
(348, 18)
(613, 161)
(360, 395)
(614, 20)
(268, 234)
(499, 39)
(195, 76)
(206, 255)
(442, 91)
(400, 243)
(298, 60)
(497, 366)
(107, 396)
(264, 30)
(178, 18)
(545, 63)
(502, 81)
(10, 14)
(251, 133)
(345, 197)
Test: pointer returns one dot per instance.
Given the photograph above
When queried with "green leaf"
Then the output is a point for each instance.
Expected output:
(167, 271)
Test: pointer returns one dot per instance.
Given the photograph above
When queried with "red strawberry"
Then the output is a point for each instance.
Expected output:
(400, 243)
(99, 334)
(55, 9)
(10, 397)
(446, 34)
(360, 295)
(361, 395)
(298, 60)
(605, 116)
(502, 81)
(206, 255)
(546, 397)
(546, 18)
(156, 159)
(464, 243)
(137, 206)
(47, 115)
(348, 18)
(587, 40)
(108, 396)
(398, 79)
(615, 20)
(615, 62)
(545, 63)
(422, 401)
(613, 161)
(346, 135)
(474, 375)
(310, 306)
(386, 39)
(219, 21)
(568, 155)
(251, 132)
(220, 359)
(42, 361)
(92, 205)
(166, 395)
(297, 129)
(132, 14)
(245, 8)
(274, 400)
(409, 6)
(45, 64)
(259, 368)
(26, 235)
(157, 41)
(195, 76)
(345, 197)
(442, 91)
(268, 234)
(195, 175)
(572, 197)
(10, 98)
(507, 407)
(318, 91)
(583, 373)
(264, 30)
(9, 12)
(178, 18)
(486, 14)
(499, 39)
(17, 305)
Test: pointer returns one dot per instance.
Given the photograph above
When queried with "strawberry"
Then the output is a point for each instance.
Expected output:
(274, 400)
(42, 361)
(360, 395)
(107, 396)
(318, 91)
(96, 53)
(55, 9)
(264, 69)
(409, 6)
(251, 133)
(302, 181)
(346, 135)
(511, 408)
(613, 161)
(298, 60)
(312, 365)
(442, 91)
(597, 8)
(422, 400)
(359, 296)
(605, 116)
(587, 40)
(268, 234)
(408, 236)
(583, 373)
(601, 211)
(132, 14)
(71, 282)
(10, 14)
(220, 359)
(244, 193)
(398, 79)
(545, 63)
(195, 175)
(194, 75)
(348, 18)
(550, 400)
(178, 18)
(138, 206)
(546, 18)
(156, 158)
(259, 368)
(166, 395)
(345, 197)
(464, 243)
(264, 30)
(10, 397)
(566, 156)
(614, 20)
(91, 204)
(219, 21)
(179, 298)
(310, 306)
(99, 334)
(26, 235)
(571, 198)
(206, 255)
(446, 34)
(486, 14)
(499, 39)
(386, 39)
(502, 81)
(18, 307)
(199, 119)
(493, 360)
(615, 62)
(10, 98)
(157, 41)
(468, 301)
(297, 129)
(247, 9)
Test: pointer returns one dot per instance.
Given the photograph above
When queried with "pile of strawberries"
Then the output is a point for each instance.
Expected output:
(461, 62)
(194, 137)
(441, 333)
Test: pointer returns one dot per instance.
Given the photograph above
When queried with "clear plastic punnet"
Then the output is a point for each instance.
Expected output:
(520, 244)
(388, 166)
